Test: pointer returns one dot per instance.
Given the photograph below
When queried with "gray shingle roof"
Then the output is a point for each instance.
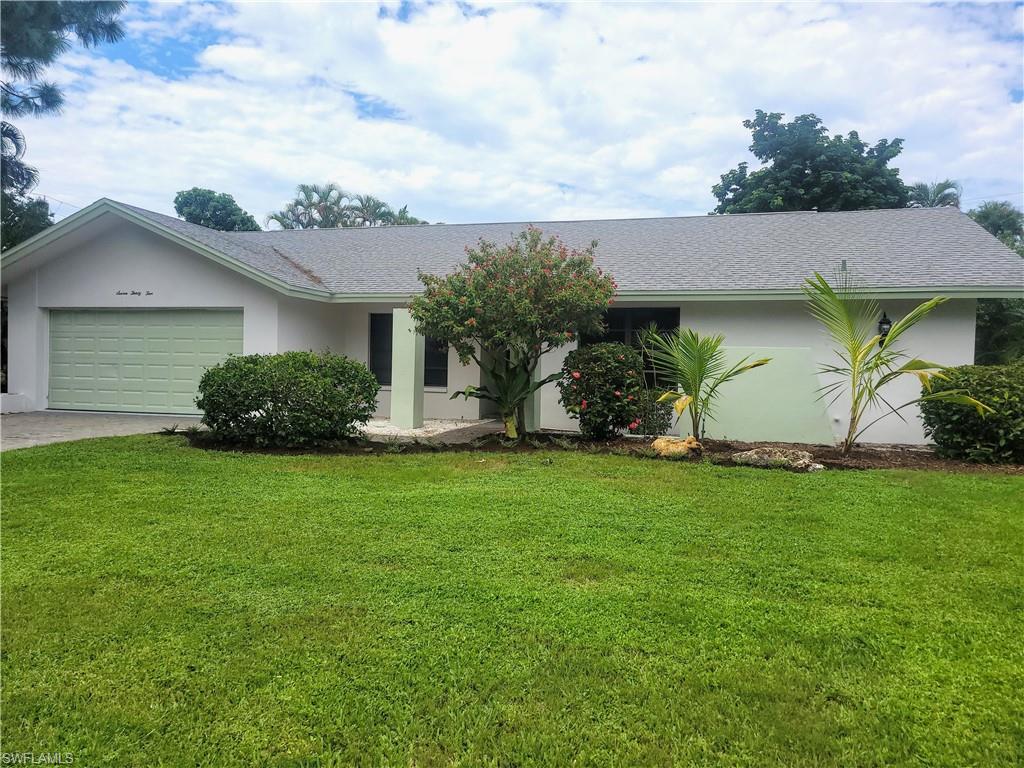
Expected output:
(885, 249)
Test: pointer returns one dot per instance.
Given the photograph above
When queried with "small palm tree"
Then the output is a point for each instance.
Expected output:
(869, 361)
(695, 366)
(938, 195)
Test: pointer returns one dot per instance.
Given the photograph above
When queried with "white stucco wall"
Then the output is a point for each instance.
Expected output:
(437, 402)
(124, 258)
(946, 336)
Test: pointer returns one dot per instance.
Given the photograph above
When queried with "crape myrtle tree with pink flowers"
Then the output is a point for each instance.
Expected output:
(508, 305)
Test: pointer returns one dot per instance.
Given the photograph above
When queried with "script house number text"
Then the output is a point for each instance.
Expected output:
(133, 293)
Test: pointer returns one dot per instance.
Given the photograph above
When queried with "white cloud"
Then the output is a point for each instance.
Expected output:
(526, 111)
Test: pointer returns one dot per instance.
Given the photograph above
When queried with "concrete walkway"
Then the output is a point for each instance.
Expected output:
(21, 430)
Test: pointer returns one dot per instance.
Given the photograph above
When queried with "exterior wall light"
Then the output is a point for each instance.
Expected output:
(884, 326)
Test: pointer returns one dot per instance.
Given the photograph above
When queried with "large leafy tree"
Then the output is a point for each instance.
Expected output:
(22, 217)
(33, 35)
(807, 169)
(506, 306)
(1003, 220)
(939, 194)
(215, 210)
(999, 334)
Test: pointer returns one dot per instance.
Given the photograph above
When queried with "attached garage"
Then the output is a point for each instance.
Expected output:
(141, 360)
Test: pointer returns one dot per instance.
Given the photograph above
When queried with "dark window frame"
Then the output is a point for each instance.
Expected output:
(379, 363)
(435, 364)
(435, 357)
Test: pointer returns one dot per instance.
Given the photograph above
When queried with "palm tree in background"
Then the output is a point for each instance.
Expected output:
(327, 206)
(316, 206)
(403, 217)
(18, 177)
(369, 211)
(938, 195)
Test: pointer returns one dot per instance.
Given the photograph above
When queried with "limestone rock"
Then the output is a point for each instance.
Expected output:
(675, 447)
(782, 458)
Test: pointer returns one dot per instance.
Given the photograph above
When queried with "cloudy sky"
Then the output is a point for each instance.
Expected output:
(519, 112)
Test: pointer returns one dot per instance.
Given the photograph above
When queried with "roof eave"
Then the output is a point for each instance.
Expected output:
(104, 205)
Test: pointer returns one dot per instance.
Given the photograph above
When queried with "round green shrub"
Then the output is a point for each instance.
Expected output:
(958, 430)
(288, 400)
(603, 386)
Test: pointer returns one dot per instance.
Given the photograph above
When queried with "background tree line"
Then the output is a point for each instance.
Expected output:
(316, 206)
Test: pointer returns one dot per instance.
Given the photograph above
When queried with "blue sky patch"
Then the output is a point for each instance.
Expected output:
(370, 107)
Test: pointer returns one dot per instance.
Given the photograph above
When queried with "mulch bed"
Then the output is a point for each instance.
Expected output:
(716, 451)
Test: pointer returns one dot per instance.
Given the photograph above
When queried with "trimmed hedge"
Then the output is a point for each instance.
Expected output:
(958, 430)
(603, 386)
(288, 400)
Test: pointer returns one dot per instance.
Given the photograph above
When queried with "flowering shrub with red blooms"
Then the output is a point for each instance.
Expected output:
(603, 386)
(510, 304)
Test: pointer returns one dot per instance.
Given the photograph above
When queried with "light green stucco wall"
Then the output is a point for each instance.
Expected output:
(777, 402)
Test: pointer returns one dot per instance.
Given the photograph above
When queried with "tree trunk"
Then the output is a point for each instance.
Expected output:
(511, 432)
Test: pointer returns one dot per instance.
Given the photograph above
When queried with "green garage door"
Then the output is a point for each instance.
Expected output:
(136, 360)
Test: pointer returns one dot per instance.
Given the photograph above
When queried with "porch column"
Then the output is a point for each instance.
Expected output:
(407, 350)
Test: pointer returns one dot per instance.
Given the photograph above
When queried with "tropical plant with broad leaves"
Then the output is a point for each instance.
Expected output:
(695, 367)
(508, 387)
(867, 360)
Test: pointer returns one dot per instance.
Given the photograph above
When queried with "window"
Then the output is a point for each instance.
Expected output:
(380, 347)
(625, 325)
(435, 364)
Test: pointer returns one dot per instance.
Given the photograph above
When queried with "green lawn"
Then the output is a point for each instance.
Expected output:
(168, 606)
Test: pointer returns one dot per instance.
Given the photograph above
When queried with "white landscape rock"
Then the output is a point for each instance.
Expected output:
(382, 428)
(778, 458)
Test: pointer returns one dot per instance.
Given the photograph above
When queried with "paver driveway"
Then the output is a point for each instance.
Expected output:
(21, 430)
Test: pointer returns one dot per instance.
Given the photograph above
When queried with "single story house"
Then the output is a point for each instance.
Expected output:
(117, 308)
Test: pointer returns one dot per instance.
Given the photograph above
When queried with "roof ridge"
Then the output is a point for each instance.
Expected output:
(528, 222)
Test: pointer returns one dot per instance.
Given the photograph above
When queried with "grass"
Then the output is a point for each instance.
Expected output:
(168, 606)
